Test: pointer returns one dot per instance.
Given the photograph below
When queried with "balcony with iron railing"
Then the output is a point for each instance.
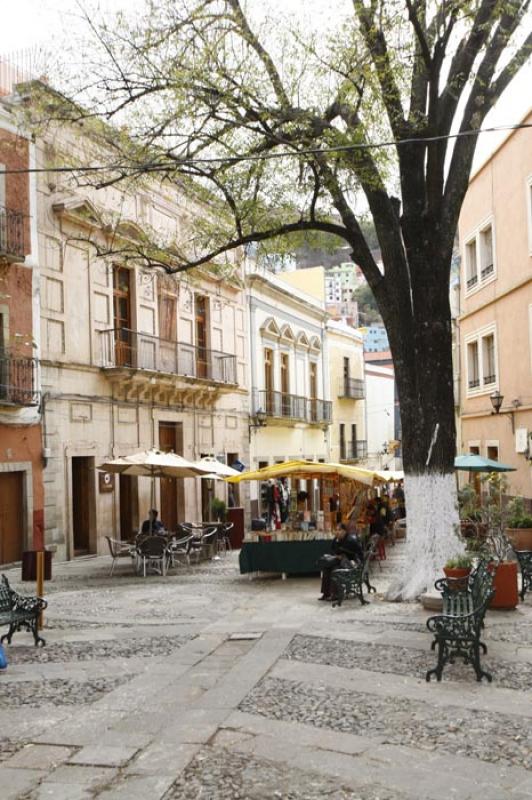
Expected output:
(18, 380)
(351, 388)
(353, 451)
(11, 234)
(292, 407)
(125, 349)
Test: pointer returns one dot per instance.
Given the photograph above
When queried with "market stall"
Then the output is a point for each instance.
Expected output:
(293, 541)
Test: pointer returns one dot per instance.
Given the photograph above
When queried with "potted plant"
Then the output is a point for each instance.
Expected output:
(218, 509)
(519, 525)
(458, 568)
(496, 545)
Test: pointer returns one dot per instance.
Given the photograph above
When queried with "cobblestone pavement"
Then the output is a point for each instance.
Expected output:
(395, 720)
(205, 684)
(402, 660)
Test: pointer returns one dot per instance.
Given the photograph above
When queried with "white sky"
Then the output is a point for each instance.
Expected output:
(28, 24)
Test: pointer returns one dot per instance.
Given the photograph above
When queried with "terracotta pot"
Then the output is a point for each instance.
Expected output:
(459, 576)
(505, 585)
(520, 538)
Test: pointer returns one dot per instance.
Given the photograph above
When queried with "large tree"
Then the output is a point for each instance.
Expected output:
(280, 121)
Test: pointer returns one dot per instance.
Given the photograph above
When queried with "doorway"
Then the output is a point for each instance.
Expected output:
(11, 516)
(129, 507)
(200, 313)
(172, 489)
(124, 345)
(82, 504)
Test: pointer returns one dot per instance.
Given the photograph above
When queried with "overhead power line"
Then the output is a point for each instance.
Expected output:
(154, 167)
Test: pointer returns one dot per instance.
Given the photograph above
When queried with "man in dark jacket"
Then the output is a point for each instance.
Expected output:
(345, 548)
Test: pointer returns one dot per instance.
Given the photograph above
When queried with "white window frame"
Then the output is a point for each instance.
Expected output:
(475, 236)
(478, 336)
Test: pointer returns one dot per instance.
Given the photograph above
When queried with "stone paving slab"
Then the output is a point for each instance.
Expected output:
(103, 756)
(39, 756)
(16, 783)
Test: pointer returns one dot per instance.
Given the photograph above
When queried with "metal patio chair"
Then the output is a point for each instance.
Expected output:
(152, 554)
(119, 549)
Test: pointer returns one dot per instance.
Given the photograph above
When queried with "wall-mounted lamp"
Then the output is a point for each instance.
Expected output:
(259, 420)
(496, 401)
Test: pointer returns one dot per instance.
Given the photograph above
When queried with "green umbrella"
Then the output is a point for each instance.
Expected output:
(476, 463)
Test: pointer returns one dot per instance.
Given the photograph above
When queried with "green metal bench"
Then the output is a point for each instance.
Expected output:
(458, 629)
(20, 611)
(525, 565)
(350, 582)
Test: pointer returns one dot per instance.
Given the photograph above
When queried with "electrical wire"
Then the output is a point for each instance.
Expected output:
(227, 160)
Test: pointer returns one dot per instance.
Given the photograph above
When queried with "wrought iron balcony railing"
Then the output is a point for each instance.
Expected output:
(352, 388)
(292, 407)
(11, 233)
(352, 451)
(122, 347)
(18, 380)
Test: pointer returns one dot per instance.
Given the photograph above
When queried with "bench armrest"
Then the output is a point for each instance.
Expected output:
(27, 603)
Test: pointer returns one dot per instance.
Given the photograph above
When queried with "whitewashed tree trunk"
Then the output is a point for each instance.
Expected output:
(432, 533)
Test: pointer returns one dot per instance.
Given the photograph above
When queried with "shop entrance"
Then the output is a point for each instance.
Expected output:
(11, 516)
(129, 507)
(172, 508)
(82, 503)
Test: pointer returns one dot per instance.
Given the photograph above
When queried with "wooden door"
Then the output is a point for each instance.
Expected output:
(82, 494)
(313, 391)
(200, 309)
(285, 384)
(124, 344)
(11, 516)
(346, 376)
(172, 508)
(129, 515)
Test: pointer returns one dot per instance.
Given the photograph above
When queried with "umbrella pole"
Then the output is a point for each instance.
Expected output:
(152, 501)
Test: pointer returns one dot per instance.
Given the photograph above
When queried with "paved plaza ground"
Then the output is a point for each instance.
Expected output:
(207, 685)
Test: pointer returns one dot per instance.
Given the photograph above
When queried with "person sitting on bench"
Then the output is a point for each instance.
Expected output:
(345, 548)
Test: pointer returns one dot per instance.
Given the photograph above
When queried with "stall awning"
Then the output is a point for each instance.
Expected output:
(308, 470)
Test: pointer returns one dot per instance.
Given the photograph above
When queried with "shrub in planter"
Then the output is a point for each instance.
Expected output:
(519, 525)
(218, 509)
(457, 569)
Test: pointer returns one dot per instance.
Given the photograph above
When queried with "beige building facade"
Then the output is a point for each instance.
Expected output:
(496, 310)
(348, 440)
(290, 407)
(132, 358)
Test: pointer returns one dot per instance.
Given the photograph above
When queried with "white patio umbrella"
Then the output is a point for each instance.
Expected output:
(154, 464)
(217, 470)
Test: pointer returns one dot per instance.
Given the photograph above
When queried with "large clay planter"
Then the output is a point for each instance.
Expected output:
(505, 585)
(459, 576)
(520, 538)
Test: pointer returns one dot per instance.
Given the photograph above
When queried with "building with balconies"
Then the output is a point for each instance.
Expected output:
(132, 357)
(348, 440)
(290, 406)
(21, 487)
(495, 322)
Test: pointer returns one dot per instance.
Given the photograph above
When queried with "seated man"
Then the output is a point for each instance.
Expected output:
(152, 524)
(345, 548)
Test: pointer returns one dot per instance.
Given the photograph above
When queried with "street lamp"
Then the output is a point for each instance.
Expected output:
(496, 401)
(259, 420)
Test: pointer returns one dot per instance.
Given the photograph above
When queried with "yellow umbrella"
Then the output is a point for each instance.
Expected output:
(308, 470)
